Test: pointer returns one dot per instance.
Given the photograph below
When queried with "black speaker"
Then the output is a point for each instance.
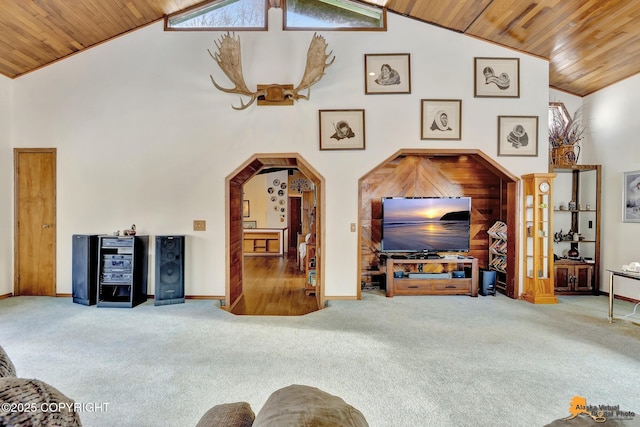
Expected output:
(487, 283)
(169, 270)
(84, 270)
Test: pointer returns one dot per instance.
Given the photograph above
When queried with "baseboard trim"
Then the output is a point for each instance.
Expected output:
(63, 295)
(621, 297)
(9, 295)
(340, 298)
(218, 297)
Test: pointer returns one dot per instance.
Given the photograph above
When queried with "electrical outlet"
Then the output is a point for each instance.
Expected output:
(199, 225)
(353, 227)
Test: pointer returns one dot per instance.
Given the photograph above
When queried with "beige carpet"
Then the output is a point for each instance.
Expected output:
(403, 361)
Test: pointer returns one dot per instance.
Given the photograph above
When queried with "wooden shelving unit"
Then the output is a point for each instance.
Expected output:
(262, 242)
(498, 253)
(576, 219)
(424, 276)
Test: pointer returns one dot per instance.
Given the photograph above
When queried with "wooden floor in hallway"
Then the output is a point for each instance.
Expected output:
(274, 286)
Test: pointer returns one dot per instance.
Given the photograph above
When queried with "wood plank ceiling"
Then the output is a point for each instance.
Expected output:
(590, 44)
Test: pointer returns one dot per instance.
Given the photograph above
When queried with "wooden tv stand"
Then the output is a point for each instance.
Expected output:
(434, 285)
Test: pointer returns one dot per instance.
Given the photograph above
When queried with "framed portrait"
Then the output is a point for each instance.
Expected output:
(441, 119)
(245, 209)
(387, 73)
(496, 77)
(631, 197)
(342, 130)
(249, 224)
(518, 136)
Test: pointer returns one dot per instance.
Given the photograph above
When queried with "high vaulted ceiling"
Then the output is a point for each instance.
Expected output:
(590, 44)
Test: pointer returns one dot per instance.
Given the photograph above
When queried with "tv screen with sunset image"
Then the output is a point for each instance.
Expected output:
(426, 224)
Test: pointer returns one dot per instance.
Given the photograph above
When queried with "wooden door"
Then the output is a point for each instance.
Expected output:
(294, 222)
(35, 221)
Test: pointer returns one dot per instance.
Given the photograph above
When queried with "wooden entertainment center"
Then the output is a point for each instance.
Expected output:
(428, 276)
(440, 173)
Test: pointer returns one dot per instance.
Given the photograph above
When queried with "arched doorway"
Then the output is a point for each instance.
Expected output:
(234, 196)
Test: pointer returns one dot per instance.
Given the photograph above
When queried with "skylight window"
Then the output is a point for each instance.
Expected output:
(332, 14)
(221, 14)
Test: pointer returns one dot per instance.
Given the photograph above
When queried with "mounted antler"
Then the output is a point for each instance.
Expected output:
(314, 70)
(229, 60)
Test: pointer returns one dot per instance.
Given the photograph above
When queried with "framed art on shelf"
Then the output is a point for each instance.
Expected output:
(245, 209)
(341, 129)
(496, 77)
(518, 136)
(441, 119)
(631, 197)
(387, 73)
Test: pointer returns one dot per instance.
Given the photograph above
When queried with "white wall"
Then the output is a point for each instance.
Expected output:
(143, 137)
(612, 118)
(6, 188)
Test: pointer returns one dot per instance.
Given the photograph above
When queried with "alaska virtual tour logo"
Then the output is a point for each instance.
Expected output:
(599, 413)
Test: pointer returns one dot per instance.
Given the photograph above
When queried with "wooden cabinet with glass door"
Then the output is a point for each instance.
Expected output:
(538, 241)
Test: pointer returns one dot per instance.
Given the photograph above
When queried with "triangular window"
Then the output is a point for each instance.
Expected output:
(220, 15)
(333, 14)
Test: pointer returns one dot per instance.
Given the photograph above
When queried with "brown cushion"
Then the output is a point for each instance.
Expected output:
(299, 405)
(34, 394)
(238, 414)
(6, 365)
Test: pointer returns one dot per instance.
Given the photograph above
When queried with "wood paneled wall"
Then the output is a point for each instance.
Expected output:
(424, 175)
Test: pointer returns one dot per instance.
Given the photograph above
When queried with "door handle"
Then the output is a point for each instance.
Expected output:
(46, 226)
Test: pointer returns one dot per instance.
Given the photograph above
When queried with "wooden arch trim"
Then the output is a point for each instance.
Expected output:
(438, 172)
(233, 219)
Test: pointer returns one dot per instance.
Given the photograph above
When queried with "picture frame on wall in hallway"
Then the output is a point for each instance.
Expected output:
(631, 197)
(245, 209)
(496, 77)
(341, 129)
(518, 136)
(441, 119)
(388, 73)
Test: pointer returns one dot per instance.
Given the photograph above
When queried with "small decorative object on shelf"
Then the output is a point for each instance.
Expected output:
(564, 135)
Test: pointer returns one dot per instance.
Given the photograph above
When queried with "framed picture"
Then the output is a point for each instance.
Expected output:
(496, 77)
(631, 197)
(518, 136)
(387, 73)
(342, 129)
(441, 119)
(249, 224)
(245, 209)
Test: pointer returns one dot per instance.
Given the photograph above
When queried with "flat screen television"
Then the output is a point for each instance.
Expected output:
(426, 224)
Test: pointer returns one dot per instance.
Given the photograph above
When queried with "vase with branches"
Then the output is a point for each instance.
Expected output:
(565, 133)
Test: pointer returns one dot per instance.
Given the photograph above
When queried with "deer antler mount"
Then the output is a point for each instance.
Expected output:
(229, 59)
